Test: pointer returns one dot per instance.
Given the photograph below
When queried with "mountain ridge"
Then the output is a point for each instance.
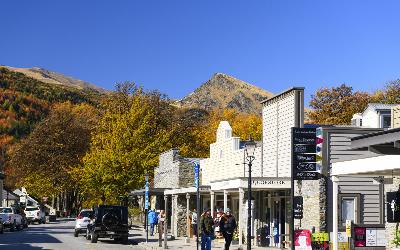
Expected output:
(53, 77)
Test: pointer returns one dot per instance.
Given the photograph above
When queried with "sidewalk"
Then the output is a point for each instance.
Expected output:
(139, 235)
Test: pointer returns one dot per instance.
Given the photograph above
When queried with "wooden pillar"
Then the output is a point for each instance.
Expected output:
(241, 197)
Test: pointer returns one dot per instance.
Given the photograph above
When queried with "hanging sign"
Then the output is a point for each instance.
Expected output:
(305, 166)
(146, 195)
(298, 207)
(359, 237)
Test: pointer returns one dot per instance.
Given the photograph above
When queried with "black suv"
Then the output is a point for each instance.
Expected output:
(109, 222)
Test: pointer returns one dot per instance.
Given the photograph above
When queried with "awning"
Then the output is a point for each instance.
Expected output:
(384, 165)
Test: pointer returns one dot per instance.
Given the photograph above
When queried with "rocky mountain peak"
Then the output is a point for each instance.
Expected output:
(225, 91)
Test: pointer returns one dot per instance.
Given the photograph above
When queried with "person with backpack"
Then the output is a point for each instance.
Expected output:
(227, 226)
(152, 217)
(207, 230)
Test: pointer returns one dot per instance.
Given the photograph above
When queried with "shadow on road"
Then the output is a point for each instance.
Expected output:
(19, 246)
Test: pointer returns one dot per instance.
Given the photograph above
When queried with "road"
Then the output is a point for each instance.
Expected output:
(59, 236)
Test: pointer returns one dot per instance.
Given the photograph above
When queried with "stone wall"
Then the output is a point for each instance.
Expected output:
(181, 216)
(310, 190)
(186, 173)
(166, 175)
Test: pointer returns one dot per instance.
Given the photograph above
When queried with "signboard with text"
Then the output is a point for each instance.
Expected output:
(298, 207)
(304, 154)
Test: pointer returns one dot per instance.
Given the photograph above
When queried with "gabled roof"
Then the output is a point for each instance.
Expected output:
(380, 106)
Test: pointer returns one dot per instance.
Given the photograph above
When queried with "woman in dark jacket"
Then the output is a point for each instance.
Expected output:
(227, 226)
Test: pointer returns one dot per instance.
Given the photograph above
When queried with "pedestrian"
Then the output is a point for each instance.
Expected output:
(152, 217)
(194, 222)
(227, 225)
(207, 230)
(161, 219)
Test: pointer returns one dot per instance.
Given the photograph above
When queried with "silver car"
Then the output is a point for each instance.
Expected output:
(82, 221)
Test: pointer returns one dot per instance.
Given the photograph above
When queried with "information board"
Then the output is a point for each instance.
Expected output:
(304, 154)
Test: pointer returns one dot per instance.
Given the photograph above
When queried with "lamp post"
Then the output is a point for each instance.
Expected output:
(146, 204)
(250, 147)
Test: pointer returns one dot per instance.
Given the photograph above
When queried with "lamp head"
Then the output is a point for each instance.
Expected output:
(250, 147)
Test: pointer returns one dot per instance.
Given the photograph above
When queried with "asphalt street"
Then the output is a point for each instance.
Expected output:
(59, 235)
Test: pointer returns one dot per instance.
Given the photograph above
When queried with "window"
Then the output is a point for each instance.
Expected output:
(349, 209)
(385, 121)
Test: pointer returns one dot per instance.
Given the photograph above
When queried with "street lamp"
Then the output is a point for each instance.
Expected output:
(250, 148)
(146, 204)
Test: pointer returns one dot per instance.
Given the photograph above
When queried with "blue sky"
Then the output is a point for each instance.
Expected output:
(174, 46)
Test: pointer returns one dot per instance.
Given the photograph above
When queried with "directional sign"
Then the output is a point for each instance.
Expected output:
(305, 166)
(304, 148)
(306, 175)
(305, 158)
(298, 207)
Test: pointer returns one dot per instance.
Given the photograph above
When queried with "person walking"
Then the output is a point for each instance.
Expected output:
(194, 222)
(152, 217)
(161, 219)
(207, 230)
(227, 225)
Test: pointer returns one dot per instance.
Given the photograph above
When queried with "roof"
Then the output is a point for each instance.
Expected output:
(282, 93)
(11, 195)
(380, 106)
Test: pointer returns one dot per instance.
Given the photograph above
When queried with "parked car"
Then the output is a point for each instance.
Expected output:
(1, 223)
(12, 220)
(35, 214)
(82, 221)
(109, 222)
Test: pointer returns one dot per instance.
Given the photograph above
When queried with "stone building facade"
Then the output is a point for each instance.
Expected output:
(174, 173)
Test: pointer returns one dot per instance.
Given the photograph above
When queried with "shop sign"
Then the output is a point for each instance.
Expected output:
(302, 240)
(298, 207)
(359, 237)
(320, 237)
(310, 149)
(305, 166)
(305, 158)
(393, 206)
(306, 175)
(196, 174)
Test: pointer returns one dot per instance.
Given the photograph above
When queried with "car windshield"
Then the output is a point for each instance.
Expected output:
(5, 210)
(86, 213)
(31, 209)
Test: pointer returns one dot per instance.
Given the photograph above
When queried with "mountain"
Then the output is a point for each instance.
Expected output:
(52, 77)
(25, 101)
(224, 91)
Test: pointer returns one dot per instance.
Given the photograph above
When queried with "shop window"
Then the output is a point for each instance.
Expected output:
(349, 209)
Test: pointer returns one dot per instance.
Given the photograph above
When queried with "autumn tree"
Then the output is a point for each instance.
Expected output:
(204, 132)
(41, 161)
(134, 129)
(337, 105)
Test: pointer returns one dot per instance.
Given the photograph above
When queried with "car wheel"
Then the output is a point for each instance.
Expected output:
(93, 237)
(76, 233)
(44, 221)
(125, 240)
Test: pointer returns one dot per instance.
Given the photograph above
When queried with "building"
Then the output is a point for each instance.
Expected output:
(175, 175)
(380, 158)
(376, 115)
